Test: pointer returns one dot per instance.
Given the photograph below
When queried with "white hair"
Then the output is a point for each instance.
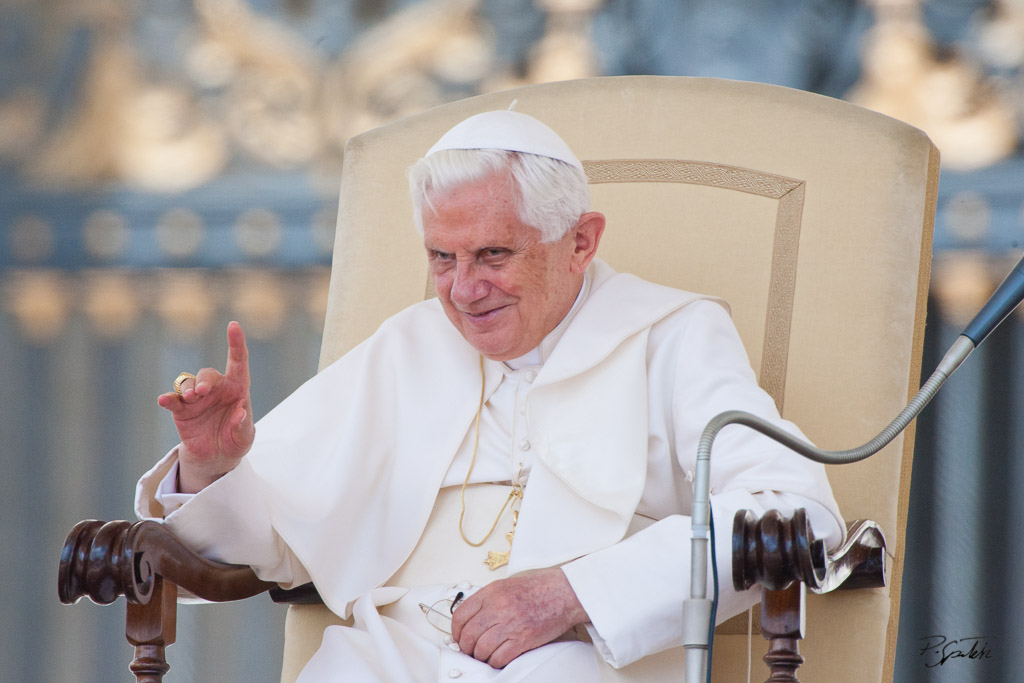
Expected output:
(552, 195)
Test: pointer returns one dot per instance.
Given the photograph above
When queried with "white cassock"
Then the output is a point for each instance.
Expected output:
(602, 420)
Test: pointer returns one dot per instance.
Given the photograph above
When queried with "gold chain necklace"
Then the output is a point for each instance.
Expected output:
(494, 559)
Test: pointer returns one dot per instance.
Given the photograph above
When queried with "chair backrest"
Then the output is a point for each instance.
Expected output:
(812, 217)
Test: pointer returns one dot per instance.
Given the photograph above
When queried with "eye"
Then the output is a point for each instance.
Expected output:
(440, 256)
(494, 255)
(440, 261)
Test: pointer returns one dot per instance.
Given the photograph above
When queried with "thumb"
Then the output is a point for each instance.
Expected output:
(242, 428)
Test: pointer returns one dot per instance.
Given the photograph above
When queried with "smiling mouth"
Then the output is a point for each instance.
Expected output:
(483, 316)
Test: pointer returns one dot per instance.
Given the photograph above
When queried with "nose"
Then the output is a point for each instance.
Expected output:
(467, 284)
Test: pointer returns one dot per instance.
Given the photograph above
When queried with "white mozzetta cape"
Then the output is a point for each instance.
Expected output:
(344, 473)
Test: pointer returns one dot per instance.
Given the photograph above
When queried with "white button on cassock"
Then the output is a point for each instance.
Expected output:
(454, 673)
(524, 445)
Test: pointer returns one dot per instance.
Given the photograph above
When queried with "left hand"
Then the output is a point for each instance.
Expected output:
(506, 618)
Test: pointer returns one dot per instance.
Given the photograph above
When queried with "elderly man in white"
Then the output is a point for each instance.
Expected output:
(542, 406)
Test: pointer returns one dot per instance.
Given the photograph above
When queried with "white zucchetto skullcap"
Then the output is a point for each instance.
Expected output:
(507, 130)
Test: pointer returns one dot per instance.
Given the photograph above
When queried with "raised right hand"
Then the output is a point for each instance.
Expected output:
(213, 417)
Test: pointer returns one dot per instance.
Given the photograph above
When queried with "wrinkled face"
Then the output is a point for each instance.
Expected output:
(501, 287)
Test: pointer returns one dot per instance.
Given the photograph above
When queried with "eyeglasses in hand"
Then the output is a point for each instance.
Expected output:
(439, 615)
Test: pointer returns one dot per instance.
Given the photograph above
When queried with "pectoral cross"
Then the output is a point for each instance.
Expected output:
(497, 559)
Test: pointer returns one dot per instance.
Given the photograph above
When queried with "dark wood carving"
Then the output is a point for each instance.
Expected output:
(145, 563)
(782, 621)
(783, 556)
(151, 628)
(103, 560)
(775, 551)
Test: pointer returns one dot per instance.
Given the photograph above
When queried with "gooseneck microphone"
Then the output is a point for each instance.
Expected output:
(1000, 304)
(698, 617)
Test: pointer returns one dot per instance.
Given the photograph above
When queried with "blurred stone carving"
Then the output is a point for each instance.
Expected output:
(112, 304)
(167, 143)
(180, 233)
(153, 136)
(270, 77)
(961, 282)
(395, 68)
(185, 303)
(946, 96)
(261, 302)
(21, 123)
(258, 232)
(1001, 36)
(1000, 46)
(31, 239)
(566, 51)
(968, 217)
(245, 82)
(39, 302)
(105, 234)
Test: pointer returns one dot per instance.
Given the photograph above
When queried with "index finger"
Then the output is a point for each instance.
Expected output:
(237, 367)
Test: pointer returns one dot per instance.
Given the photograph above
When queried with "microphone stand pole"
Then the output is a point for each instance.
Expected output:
(697, 609)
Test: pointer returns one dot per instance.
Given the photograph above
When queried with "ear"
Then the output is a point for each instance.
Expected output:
(586, 236)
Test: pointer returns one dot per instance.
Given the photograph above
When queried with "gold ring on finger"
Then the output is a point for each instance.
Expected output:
(181, 378)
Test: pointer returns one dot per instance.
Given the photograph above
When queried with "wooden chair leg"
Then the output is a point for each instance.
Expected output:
(151, 628)
(782, 623)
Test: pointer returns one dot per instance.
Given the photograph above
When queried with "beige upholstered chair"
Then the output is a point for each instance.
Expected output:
(812, 217)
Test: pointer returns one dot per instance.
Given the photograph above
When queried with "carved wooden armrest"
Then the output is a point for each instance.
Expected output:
(145, 562)
(784, 557)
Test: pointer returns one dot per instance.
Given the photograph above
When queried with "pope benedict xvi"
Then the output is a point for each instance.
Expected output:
(495, 485)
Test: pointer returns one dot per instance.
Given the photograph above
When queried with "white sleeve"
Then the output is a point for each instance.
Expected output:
(224, 522)
(154, 486)
(633, 591)
(156, 495)
(167, 493)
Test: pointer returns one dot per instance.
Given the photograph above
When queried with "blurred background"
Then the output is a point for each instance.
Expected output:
(169, 165)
